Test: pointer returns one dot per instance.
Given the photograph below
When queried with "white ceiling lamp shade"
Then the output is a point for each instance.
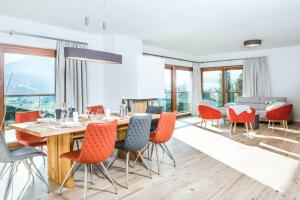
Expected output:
(92, 55)
(252, 43)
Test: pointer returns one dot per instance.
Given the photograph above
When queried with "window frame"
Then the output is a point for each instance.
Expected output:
(174, 69)
(17, 49)
(223, 69)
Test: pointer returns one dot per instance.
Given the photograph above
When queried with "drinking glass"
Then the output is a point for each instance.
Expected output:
(42, 112)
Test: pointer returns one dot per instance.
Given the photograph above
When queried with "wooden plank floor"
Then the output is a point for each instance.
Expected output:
(211, 164)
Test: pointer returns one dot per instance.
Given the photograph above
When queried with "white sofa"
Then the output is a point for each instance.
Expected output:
(259, 103)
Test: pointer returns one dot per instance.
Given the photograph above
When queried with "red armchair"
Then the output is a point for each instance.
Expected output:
(282, 113)
(243, 118)
(209, 113)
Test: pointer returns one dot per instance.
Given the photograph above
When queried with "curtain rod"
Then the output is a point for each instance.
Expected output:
(41, 36)
(200, 62)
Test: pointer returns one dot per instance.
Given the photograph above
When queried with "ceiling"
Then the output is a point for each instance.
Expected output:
(191, 26)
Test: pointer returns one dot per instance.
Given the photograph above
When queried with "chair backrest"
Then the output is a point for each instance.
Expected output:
(98, 142)
(137, 135)
(166, 126)
(243, 117)
(95, 109)
(282, 113)
(22, 117)
(154, 110)
(208, 112)
(4, 152)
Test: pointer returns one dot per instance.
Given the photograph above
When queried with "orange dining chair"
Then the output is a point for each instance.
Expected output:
(25, 138)
(209, 113)
(163, 134)
(243, 118)
(98, 144)
(95, 109)
(98, 109)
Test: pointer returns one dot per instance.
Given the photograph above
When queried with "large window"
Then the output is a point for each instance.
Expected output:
(178, 89)
(222, 85)
(167, 101)
(28, 80)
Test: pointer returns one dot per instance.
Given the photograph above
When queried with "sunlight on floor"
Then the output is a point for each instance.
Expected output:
(286, 130)
(269, 168)
(254, 134)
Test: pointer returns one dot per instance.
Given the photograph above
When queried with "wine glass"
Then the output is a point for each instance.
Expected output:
(42, 113)
(88, 112)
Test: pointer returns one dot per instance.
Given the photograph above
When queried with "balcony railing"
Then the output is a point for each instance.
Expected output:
(27, 102)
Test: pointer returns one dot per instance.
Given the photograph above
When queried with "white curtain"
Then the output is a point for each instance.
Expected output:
(71, 79)
(196, 88)
(256, 77)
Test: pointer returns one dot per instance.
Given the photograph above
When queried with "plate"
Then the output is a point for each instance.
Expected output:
(45, 120)
(69, 124)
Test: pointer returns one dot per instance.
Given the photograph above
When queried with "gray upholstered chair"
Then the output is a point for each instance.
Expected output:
(154, 110)
(12, 158)
(137, 137)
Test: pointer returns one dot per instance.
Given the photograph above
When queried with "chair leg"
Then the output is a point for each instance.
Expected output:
(2, 170)
(170, 154)
(85, 181)
(127, 171)
(41, 148)
(10, 179)
(231, 127)
(157, 159)
(273, 124)
(269, 124)
(247, 127)
(145, 164)
(283, 124)
(152, 148)
(205, 123)
(218, 123)
(67, 177)
(91, 174)
(77, 144)
(234, 126)
(28, 166)
(113, 159)
(39, 174)
(251, 128)
(286, 124)
(146, 148)
(109, 178)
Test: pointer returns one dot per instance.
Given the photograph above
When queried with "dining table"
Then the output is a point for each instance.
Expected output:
(60, 139)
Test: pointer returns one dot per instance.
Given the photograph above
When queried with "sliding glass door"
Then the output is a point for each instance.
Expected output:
(28, 82)
(183, 91)
(234, 84)
(178, 89)
(166, 102)
(221, 85)
(212, 87)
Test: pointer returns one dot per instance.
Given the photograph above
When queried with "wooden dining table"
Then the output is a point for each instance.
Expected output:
(60, 140)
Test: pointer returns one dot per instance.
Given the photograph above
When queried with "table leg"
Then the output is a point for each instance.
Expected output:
(59, 167)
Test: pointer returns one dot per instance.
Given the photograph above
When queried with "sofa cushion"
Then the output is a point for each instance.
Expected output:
(263, 100)
(275, 105)
(241, 100)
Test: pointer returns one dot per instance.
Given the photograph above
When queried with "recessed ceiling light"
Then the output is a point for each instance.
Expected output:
(252, 43)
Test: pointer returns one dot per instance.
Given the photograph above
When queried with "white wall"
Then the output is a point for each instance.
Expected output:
(169, 53)
(284, 66)
(95, 70)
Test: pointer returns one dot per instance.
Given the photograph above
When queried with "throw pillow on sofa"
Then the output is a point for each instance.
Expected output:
(275, 105)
